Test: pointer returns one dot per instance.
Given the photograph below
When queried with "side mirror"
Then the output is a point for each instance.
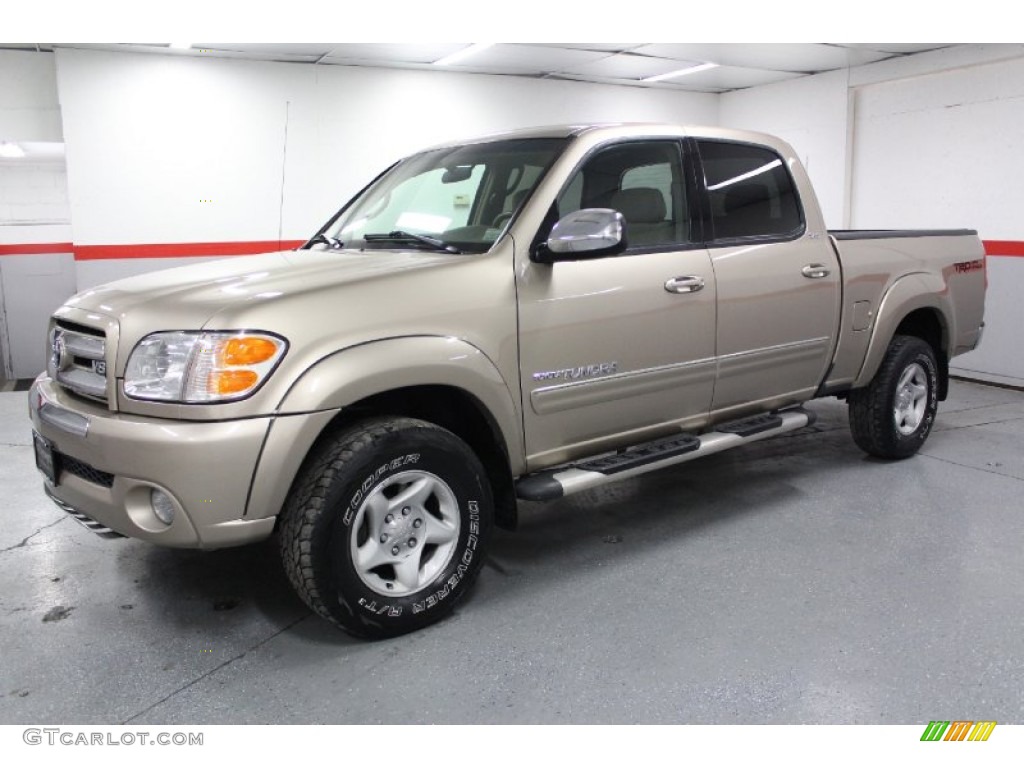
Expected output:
(585, 234)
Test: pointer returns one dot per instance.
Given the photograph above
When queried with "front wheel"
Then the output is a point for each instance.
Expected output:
(892, 417)
(386, 526)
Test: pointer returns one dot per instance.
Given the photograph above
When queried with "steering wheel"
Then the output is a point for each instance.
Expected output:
(500, 219)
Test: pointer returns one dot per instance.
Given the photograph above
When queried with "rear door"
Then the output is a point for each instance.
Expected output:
(778, 280)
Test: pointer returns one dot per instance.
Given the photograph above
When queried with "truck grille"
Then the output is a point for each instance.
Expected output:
(78, 359)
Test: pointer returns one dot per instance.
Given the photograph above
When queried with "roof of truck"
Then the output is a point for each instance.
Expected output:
(612, 130)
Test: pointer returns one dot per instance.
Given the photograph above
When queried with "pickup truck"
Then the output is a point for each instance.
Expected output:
(522, 316)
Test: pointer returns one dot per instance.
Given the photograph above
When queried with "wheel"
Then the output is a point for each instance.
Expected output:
(386, 526)
(500, 219)
(892, 417)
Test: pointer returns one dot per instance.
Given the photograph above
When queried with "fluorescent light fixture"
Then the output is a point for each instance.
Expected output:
(465, 53)
(679, 73)
(180, 46)
(10, 150)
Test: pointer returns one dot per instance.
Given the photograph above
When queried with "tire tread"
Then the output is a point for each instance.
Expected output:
(307, 504)
(870, 408)
(308, 516)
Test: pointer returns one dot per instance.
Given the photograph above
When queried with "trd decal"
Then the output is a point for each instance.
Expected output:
(969, 266)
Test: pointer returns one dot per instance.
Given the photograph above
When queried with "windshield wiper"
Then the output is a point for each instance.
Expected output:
(401, 236)
(320, 237)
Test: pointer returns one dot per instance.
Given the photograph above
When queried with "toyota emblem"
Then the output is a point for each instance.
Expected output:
(59, 358)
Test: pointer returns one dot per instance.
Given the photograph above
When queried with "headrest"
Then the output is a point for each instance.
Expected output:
(640, 205)
(742, 195)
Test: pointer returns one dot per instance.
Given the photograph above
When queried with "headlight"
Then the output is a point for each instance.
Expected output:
(201, 367)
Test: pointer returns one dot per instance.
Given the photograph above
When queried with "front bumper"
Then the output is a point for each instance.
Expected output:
(112, 462)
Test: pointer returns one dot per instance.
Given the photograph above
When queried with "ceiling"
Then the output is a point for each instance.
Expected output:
(738, 65)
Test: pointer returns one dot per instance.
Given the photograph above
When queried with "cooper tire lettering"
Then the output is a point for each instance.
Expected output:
(324, 534)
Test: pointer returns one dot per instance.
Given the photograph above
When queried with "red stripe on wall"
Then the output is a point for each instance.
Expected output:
(1003, 247)
(24, 249)
(181, 250)
(152, 251)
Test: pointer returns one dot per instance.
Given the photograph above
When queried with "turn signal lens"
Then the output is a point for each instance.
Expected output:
(232, 382)
(248, 350)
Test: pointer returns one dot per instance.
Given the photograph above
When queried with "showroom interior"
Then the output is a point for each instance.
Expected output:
(791, 581)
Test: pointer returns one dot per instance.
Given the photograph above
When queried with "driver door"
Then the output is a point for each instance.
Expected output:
(619, 349)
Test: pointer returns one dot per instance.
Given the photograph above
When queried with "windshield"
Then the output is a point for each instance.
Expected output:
(456, 199)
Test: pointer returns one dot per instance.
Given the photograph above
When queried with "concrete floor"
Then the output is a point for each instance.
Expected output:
(792, 581)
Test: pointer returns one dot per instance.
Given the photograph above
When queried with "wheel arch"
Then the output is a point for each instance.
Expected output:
(445, 381)
(927, 324)
(460, 413)
(914, 305)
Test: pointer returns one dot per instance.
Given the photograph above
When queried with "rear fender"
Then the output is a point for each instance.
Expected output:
(909, 293)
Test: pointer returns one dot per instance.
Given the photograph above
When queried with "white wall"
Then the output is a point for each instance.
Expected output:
(31, 193)
(29, 110)
(944, 150)
(811, 114)
(184, 149)
(34, 209)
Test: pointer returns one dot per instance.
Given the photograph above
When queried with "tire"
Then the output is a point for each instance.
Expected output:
(386, 526)
(893, 416)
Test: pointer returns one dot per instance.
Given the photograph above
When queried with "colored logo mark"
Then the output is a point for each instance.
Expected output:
(958, 730)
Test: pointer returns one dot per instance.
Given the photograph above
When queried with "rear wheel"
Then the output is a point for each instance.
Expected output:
(893, 416)
(386, 526)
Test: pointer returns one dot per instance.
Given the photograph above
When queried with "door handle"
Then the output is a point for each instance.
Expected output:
(815, 271)
(686, 284)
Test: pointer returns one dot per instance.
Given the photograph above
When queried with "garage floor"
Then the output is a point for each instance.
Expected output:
(790, 581)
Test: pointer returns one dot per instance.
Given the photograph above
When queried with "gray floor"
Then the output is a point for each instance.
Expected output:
(791, 581)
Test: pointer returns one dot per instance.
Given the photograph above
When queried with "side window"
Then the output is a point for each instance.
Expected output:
(643, 181)
(750, 190)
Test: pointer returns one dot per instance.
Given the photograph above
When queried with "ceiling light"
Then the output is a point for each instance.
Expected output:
(465, 53)
(9, 149)
(679, 73)
(180, 46)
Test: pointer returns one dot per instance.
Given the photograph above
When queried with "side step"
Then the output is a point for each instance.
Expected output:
(664, 452)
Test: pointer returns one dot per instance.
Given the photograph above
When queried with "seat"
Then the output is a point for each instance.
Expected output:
(748, 212)
(515, 201)
(644, 210)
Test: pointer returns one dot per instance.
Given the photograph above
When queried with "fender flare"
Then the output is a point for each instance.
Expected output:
(919, 290)
(355, 373)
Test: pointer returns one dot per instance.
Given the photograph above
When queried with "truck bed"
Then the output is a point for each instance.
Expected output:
(878, 234)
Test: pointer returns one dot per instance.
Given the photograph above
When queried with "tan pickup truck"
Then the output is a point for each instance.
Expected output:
(517, 317)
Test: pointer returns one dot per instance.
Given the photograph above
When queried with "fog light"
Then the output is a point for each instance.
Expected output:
(163, 507)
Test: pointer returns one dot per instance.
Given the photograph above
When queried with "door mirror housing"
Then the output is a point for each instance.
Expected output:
(585, 234)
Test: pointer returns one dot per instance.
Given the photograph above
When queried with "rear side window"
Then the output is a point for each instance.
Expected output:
(750, 190)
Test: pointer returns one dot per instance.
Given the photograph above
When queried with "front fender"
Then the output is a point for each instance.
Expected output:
(355, 373)
(909, 293)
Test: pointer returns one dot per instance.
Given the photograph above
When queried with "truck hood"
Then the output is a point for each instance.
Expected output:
(191, 295)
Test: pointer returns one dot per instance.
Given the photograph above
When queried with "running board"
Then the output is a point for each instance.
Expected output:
(657, 454)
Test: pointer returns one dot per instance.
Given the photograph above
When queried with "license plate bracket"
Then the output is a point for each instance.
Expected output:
(47, 460)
